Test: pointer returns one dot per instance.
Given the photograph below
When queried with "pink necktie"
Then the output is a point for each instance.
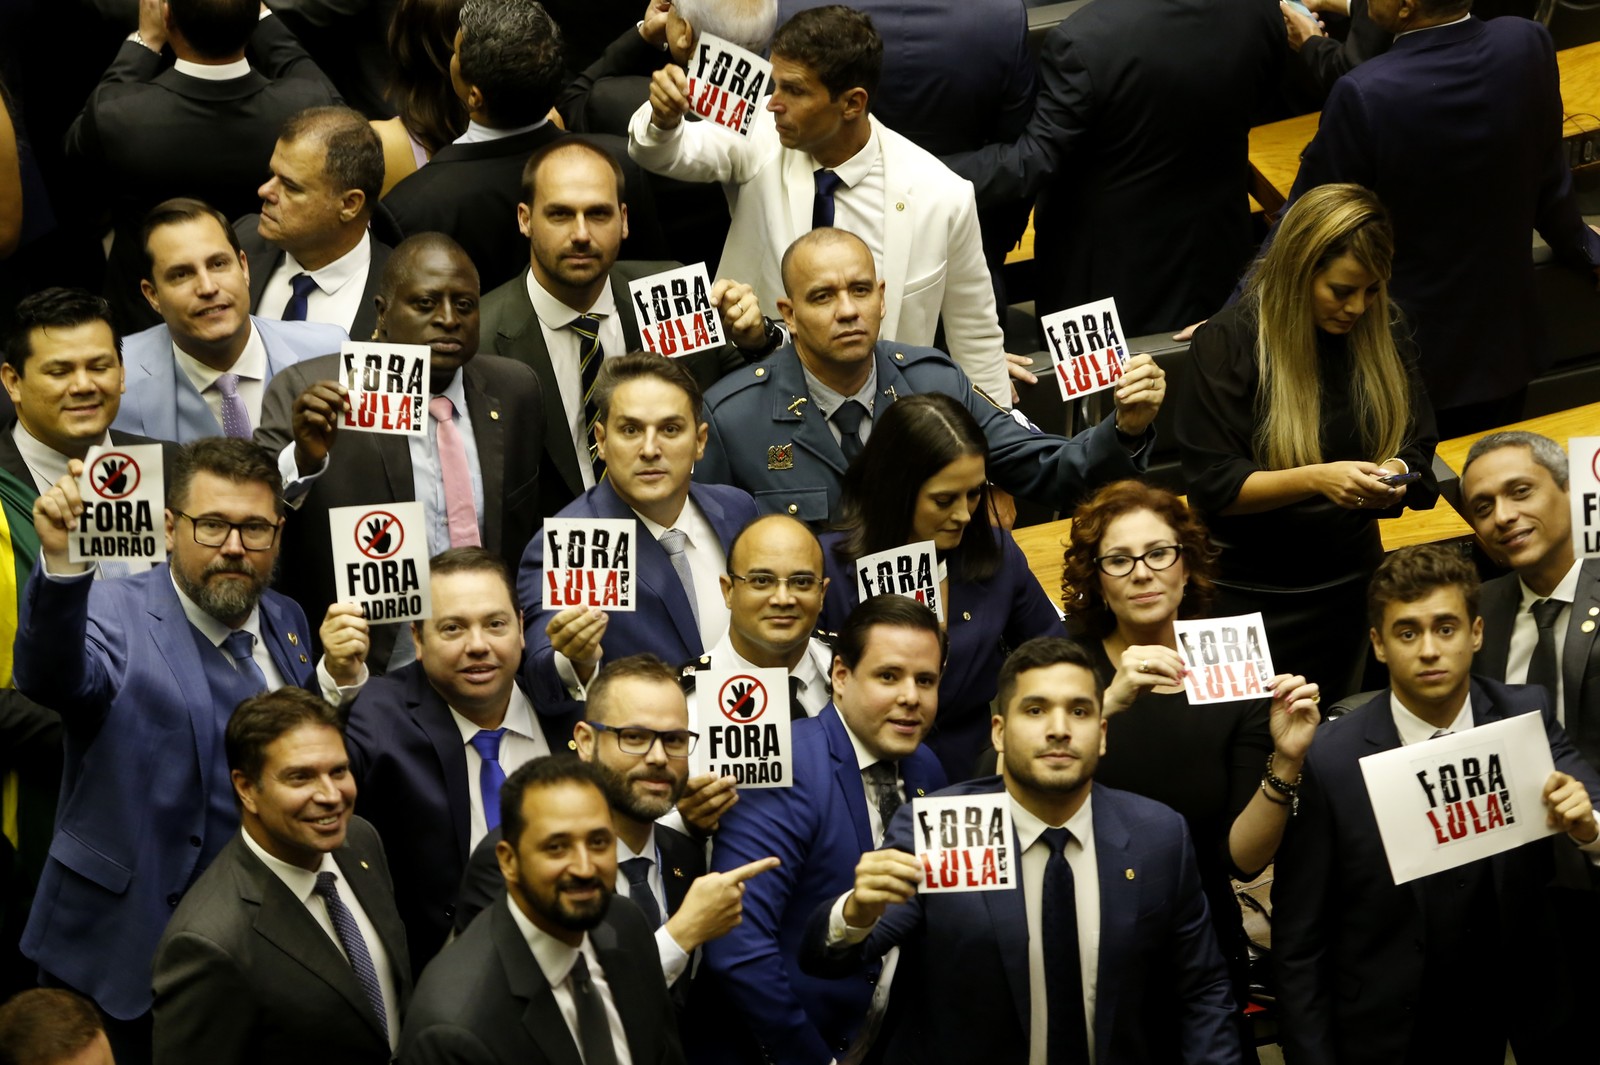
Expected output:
(460, 511)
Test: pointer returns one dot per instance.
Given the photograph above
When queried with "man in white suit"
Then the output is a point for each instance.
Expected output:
(204, 370)
(816, 157)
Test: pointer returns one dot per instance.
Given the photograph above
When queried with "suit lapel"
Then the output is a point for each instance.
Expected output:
(792, 404)
(173, 635)
(432, 715)
(262, 268)
(489, 432)
(625, 314)
(1008, 914)
(655, 569)
(542, 1020)
(801, 189)
(622, 973)
(292, 659)
(1379, 734)
(899, 228)
(11, 460)
(394, 453)
(365, 322)
(525, 342)
(378, 902)
(847, 775)
(1119, 911)
(1579, 645)
(1499, 610)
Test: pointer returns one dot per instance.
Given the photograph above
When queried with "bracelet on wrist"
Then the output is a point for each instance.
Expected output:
(1271, 782)
(1293, 802)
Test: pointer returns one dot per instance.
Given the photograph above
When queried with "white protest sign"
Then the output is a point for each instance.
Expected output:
(727, 83)
(742, 717)
(1461, 797)
(1226, 659)
(388, 386)
(675, 312)
(912, 571)
(380, 560)
(1087, 347)
(964, 842)
(589, 562)
(124, 502)
(1583, 464)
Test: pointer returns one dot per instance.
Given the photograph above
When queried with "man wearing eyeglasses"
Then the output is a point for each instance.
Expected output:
(145, 672)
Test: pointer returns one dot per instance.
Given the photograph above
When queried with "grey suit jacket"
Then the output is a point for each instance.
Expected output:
(245, 974)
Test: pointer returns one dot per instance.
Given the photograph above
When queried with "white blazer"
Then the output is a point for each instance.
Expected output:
(933, 253)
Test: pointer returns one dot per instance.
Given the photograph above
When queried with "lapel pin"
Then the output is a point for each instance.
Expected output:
(1587, 626)
(294, 639)
(303, 658)
(966, 615)
(921, 793)
(900, 207)
(494, 416)
(1129, 874)
(677, 872)
(794, 408)
(781, 456)
(364, 865)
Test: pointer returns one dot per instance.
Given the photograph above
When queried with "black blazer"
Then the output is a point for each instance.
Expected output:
(485, 1001)
(245, 974)
(408, 760)
(265, 257)
(504, 403)
(510, 327)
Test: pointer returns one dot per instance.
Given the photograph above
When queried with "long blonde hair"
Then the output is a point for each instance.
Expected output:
(1325, 223)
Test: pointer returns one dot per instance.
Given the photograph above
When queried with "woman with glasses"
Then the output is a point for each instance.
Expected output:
(922, 475)
(1137, 560)
(1307, 422)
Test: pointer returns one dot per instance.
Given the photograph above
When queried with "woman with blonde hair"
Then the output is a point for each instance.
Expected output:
(1306, 421)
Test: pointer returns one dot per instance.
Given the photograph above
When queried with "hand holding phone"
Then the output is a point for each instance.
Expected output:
(1395, 480)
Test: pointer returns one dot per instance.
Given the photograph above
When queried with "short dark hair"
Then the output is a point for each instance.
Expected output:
(1412, 573)
(404, 256)
(545, 772)
(239, 461)
(893, 611)
(1543, 450)
(1039, 653)
(473, 560)
(258, 721)
(354, 152)
(640, 364)
(215, 29)
(634, 667)
(912, 441)
(175, 212)
(838, 44)
(54, 308)
(511, 51)
(530, 169)
(46, 1025)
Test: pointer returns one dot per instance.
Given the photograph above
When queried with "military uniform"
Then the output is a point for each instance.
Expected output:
(768, 438)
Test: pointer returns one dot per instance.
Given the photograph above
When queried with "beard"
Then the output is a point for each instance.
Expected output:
(229, 601)
(620, 794)
(563, 913)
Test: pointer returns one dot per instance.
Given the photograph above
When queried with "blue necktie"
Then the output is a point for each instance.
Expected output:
(490, 775)
(304, 285)
(1068, 1040)
(355, 947)
(827, 183)
(241, 645)
(637, 870)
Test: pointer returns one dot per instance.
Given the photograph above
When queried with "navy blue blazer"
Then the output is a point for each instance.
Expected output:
(1161, 989)
(986, 620)
(662, 624)
(1347, 942)
(820, 829)
(1481, 102)
(411, 767)
(118, 661)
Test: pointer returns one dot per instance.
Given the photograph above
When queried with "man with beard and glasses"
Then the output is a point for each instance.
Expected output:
(1108, 880)
(554, 971)
(431, 744)
(145, 672)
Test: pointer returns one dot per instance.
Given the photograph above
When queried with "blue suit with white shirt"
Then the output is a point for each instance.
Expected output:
(161, 402)
(146, 800)
(962, 989)
(819, 828)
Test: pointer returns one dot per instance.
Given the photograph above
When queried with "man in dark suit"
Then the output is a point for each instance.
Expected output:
(557, 968)
(855, 764)
(1466, 288)
(144, 671)
(507, 68)
(649, 434)
(1321, 60)
(428, 295)
(1151, 985)
(311, 256)
(1138, 148)
(1376, 972)
(140, 129)
(419, 737)
(290, 939)
(573, 216)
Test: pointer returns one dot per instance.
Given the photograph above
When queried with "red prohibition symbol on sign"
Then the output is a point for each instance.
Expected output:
(379, 535)
(742, 699)
(1594, 463)
(114, 476)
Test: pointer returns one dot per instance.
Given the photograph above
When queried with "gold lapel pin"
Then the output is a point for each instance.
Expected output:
(794, 408)
(294, 639)
(921, 793)
(364, 865)
(303, 658)
(1129, 874)
(677, 872)
(899, 207)
(494, 416)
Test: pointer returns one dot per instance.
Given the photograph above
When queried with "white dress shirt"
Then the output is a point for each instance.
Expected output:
(555, 960)
(251, 366)
(46, 466)
(1525, 634)
(212, 71)
(479, 134)
(816, 691)
(673, 958)
(865, 760)
(858, 203)
(337, 298)
(562, 343)
(523, 742)
(302, 884)
(1080, 855)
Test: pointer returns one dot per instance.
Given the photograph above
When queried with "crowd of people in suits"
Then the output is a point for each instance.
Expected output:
(244, 822)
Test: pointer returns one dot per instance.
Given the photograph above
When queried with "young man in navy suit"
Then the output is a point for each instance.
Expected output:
(1108, 883)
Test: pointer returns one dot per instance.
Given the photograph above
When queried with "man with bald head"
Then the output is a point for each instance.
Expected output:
(476, 471)
(786, 430)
